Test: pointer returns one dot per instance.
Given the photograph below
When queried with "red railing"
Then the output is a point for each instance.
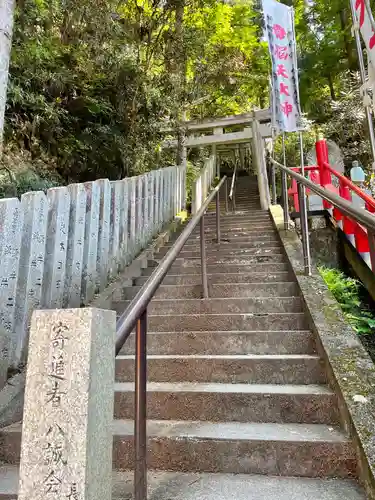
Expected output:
(322, 174)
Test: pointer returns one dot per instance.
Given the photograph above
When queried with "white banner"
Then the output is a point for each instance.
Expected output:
(365, 26)
(279, 30)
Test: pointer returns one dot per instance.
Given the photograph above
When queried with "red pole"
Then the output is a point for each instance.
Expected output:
(322, 158)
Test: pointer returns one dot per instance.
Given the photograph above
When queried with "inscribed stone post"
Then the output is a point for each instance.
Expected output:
(184, 188)
(157, 201)
(56, 247)
(179, 191)
(139, 213)
(124, 224)
(161, 198)
(30, 276)
(151, 213)
(117, 191)
(167, 189)
(102, 260)
(10, 242)
(66, 448)
(146, 202)
(132, 216)
(90, 250)
(76, 238)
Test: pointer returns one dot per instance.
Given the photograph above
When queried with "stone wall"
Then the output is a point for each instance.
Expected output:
(58, 249)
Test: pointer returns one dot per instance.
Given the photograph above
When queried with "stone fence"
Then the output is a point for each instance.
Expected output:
(60, 248)
(203, 184)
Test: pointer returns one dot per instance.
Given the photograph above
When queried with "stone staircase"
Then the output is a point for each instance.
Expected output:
(238, 402)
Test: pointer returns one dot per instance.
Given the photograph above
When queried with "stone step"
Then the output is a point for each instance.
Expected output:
(194, 267)
(310, 404)
(225, 321)
(305, 450)
(220, 252)
(257, 305)
(250, 369)
(230, 343)
(196, 279)
(241, 290)
(163, 485)
(230, 243)
(275, 258)
(239, 226)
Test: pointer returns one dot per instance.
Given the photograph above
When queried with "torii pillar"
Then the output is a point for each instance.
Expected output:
(260, 164)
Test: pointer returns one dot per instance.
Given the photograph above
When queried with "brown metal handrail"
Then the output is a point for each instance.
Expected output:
(232, 192)
(136, 316)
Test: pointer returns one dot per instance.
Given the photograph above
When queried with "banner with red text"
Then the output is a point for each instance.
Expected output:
(365, 26)
(279, 30)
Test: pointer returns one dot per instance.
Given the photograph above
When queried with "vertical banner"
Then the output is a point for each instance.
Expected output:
(365, 27)
(279, 30)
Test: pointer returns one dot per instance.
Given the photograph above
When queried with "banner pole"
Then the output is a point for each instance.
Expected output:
(303, 214)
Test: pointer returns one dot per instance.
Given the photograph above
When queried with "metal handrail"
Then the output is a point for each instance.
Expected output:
(136, 315)
(231, 192)
(344, 206)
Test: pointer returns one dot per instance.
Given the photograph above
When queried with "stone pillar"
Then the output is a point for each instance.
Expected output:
(30, 276)
(68, 415)
(161, 198)
(56, 247)
(157, 200)
(90, 250)
(258, 155)
(139, 213)
(133, 216)
(102, 261)
(10, 243)
(124, 224)
(117, 201)
(151, 206)
(146, 202)
(76, 239)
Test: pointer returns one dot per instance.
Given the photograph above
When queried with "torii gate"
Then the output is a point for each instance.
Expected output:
(256, 127)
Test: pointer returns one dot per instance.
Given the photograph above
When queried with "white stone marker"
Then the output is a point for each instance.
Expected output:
(132, 216)
(56, 247)
(66, 448)
(117, 201)
(146, 203)
(76, 239)
(157, 202)
(90, 250)
(124, 224)
(151, 205)
(161, 199)
(139, 213)
(102, 261)
(10, 242)
(30, 276)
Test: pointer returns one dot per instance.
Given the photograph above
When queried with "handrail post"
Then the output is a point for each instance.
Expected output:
(203, 261)
(140, 431)
(284, 188)
(303, 215)
(304, 229)
(218, 216)
(226, 195)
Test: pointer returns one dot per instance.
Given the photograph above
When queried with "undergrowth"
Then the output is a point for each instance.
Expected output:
(347, 292)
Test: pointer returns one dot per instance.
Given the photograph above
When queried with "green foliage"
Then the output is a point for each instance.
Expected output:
(347, 293)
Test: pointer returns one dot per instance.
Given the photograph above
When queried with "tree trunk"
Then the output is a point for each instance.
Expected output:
(6, 30)
(352, 63)
(331, 87)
